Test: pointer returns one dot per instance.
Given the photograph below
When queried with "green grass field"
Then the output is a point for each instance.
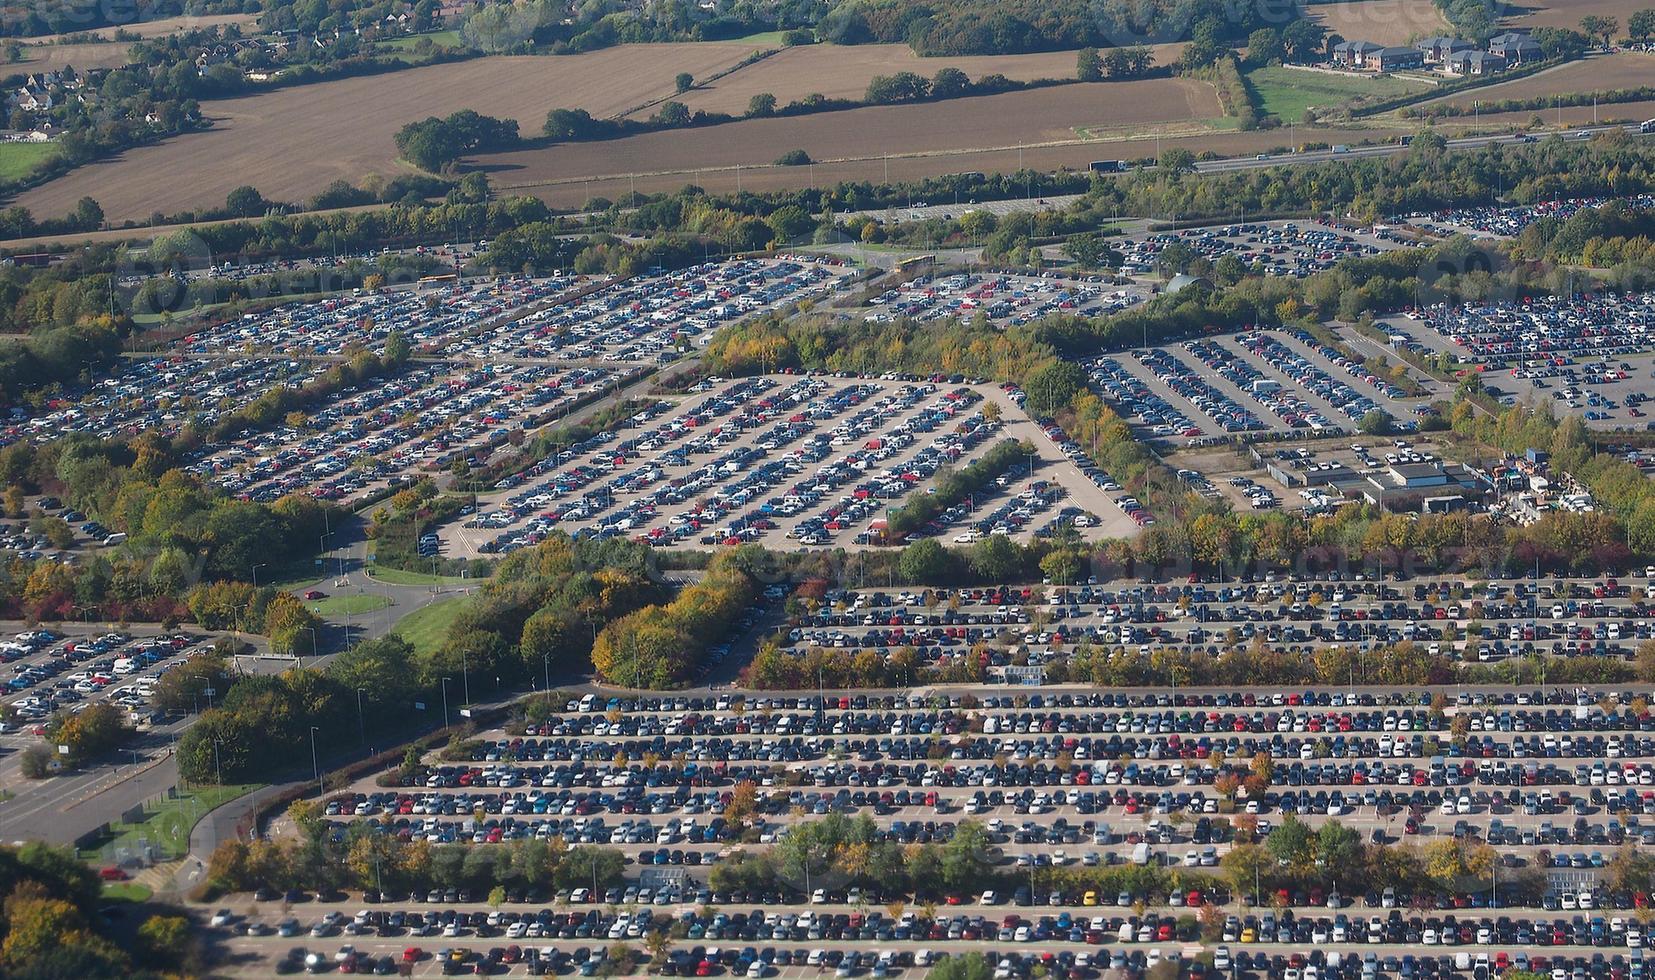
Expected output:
(127, 891)
(426, 626)
(1288, 92)
(397, 576)
(166, 826)
(18, 160)
(443, 39)
(335, 606)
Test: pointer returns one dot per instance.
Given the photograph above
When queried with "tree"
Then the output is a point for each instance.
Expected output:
(572, 124)
(793, 158)
(1292, 843)
(163, 937)
(1640, 24)
(1089, 250)
(1265, 46)
(244, 201)
(672, 115)
(683, 82)
(1377, 422)
(1177, 160)
(790, 222)
(762, 104)
(1049, 389)
(995, 559)
(968, 966)
(1088, 66)
(743, 803)
(1597, 26)
(904, 86)
(88, 215)
(186, 686)
(949, 83)
(925, 562)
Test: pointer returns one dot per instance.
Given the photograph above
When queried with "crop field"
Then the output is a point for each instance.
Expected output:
(1288, 92)
(1074, 155)
(1628, 69)
(158, 27)
(844, 72)
(1567, 13)
(1381, 21)
(293, 142)
(995, 121)
(45, 57)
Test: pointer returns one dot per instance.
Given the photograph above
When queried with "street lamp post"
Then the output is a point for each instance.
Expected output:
(315, 766)
(445, 681)
(361, 723)
(465, 675)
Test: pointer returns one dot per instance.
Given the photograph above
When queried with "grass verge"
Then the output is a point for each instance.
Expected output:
(396, 576)
(426, 626)
(165, 825)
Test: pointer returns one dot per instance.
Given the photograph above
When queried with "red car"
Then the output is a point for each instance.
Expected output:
(113, 873)
(316, 594)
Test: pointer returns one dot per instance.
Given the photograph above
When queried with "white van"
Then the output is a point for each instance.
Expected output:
(125, 665)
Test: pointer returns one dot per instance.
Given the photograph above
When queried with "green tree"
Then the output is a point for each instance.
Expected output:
(1265, 46)
(1377, 422)
(1603, 28)
(995, 559)
(1177, 160)
(966, 966)
(761, 104)
(672, 115)
(924, 562)
(1050, 388)
(1640, 24)
(244, 202)
(683, 82)
(949, 83)
(1088, 66)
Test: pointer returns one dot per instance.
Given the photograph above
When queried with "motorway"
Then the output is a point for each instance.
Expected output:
(1382, 150)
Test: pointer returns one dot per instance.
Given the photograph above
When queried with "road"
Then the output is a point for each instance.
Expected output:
(1229, 164)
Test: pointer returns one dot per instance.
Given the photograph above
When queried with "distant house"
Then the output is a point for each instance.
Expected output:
(1392, 59)
(1438, 50)
(1516, 48)
(1354, 54)
(1476, 63)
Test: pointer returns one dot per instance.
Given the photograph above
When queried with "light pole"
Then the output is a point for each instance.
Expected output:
(218, 769)
(256, 574)
(361, 724)
(445, 681)
(313, 651)
(315, 767)
(465, 675)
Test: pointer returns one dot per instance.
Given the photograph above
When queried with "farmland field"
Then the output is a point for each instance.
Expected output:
(844, 72)
(1032, 117)
(293, 142)
(1567, 13)
(1629, 69)
(1074, 155)
(45, 57)
(156, 28)
(1288, 92)
(1381, 21)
